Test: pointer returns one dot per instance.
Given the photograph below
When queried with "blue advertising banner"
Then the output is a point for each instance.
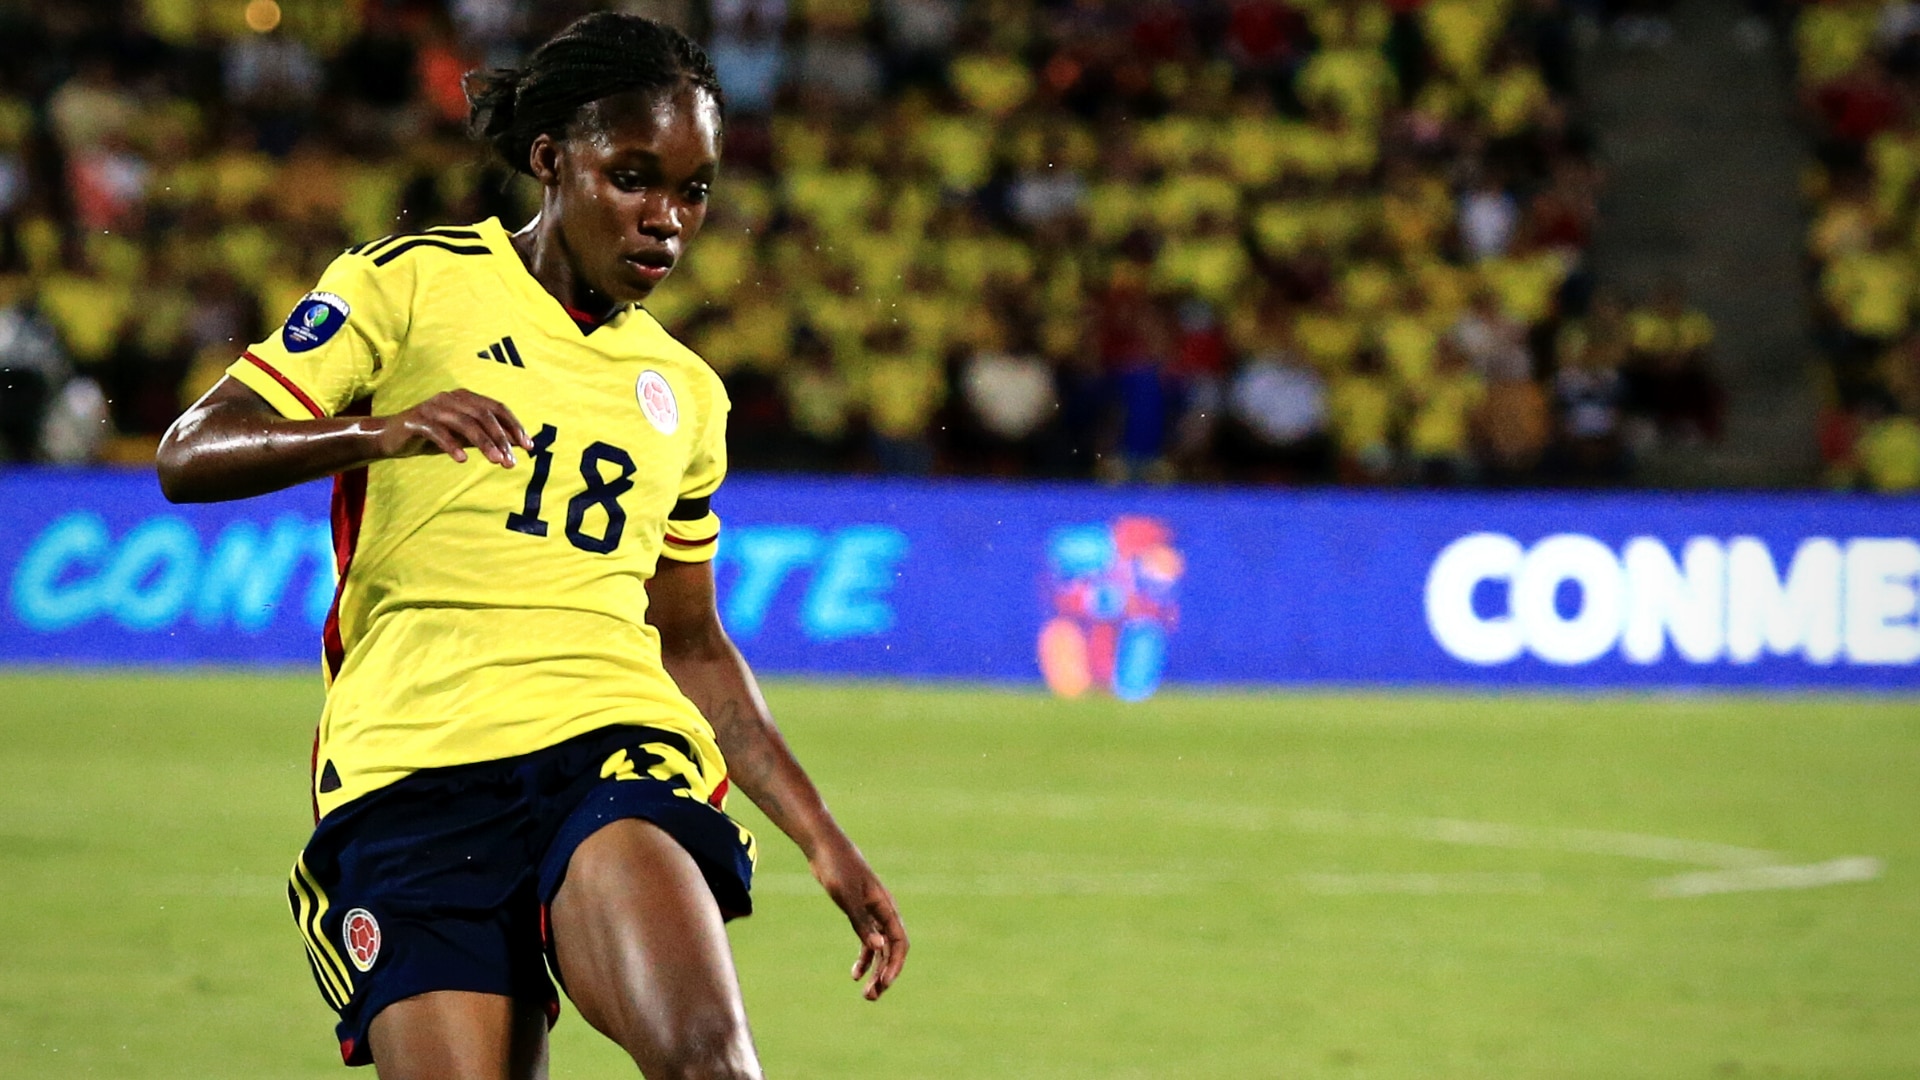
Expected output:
(1091, 590)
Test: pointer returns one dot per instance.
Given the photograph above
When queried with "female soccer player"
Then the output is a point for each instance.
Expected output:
(533, 715)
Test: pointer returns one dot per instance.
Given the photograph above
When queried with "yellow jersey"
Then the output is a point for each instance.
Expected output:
(484, 612)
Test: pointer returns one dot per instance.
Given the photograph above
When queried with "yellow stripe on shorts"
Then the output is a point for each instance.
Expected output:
(313, 906)
(302, 916)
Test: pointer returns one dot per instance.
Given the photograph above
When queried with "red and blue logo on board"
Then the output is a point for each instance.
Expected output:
(1112, 589)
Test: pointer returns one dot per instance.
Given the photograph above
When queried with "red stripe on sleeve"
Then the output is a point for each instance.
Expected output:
(349, 510)
(679, 543)
(287, 384)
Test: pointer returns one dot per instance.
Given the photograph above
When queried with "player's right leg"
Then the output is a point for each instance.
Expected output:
(456, 1035)
(643, 953)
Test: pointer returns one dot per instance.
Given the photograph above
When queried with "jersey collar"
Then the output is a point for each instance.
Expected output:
(548, 306)
(587, 323)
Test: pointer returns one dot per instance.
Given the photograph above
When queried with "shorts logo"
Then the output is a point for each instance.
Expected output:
(315, 319)
(656, 402)
(362, 937)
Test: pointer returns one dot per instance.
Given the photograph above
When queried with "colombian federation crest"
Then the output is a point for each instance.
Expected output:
(361, 934)
(657, 403)
(315, 319)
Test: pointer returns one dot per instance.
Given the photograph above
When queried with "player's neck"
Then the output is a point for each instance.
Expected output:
(546, 258)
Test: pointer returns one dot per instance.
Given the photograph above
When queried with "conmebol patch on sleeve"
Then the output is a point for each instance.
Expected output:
(315, 319)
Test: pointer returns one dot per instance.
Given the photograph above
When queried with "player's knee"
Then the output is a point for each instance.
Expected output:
(717, 1053)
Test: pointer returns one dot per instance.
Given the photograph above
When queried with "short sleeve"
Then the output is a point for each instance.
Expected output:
(336, 343)
(693, 529)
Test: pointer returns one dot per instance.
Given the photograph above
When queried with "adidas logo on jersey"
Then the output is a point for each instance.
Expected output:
(502, 352)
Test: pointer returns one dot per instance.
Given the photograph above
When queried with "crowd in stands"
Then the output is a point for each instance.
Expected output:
(1253, 240)
(1859, 76)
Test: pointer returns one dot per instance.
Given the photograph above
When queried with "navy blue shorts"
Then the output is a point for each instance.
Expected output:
(441, 880)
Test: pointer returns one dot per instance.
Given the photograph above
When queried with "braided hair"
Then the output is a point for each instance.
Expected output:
(598, 56)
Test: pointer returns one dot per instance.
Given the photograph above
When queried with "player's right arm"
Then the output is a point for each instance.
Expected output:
(277, 420)
(233, 444)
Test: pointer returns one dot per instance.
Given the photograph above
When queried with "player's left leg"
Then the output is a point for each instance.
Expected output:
(643, 954)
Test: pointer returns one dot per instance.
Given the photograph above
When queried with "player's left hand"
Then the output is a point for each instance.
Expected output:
(844, 873)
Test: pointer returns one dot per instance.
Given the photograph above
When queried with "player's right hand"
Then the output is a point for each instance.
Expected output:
(452, 422)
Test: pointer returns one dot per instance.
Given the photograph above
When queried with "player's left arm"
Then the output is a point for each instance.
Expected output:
(709, 670)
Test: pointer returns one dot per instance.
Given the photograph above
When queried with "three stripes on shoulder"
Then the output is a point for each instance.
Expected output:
(444, 237)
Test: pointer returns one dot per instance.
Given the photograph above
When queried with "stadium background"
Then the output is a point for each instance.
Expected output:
(1196, 464)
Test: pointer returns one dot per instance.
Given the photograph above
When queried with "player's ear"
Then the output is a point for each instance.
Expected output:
(544, 158)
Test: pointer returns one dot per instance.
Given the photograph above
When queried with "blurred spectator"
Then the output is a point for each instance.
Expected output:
(1277, 410)
(1009, 396)
(1445, 404)
(902, 391)
(1516, 425)
(1881, 448)
(1494, 344)
(1086, 411)
(1365, 408)
(821, 405)
(32, 371)
(90, 106)
(441, 65)
(1869, 292)
(108, 180)
(1859, 71)
(1855, 107)
(13, 165)
(1265, 37)
(488, 25)
(76, 426)
(748, 53)
(991, 82)
(1489, 218)
(1202, 355)
(1668, 379)
(920, 34)
(1244, 238)
(1588, 394)
(1145, 402)
(276, 78)
(1049, 190)
(87, 308)
(834, 63)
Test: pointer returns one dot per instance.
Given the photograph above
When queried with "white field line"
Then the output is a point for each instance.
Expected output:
(1735, 868)
(1422, 884)
(1439, 830)
(1040, 883)
(1068, 884)
(1578, 841)
(1758, 878)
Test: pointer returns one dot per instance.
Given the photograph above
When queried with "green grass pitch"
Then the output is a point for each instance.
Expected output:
(1232, 885)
